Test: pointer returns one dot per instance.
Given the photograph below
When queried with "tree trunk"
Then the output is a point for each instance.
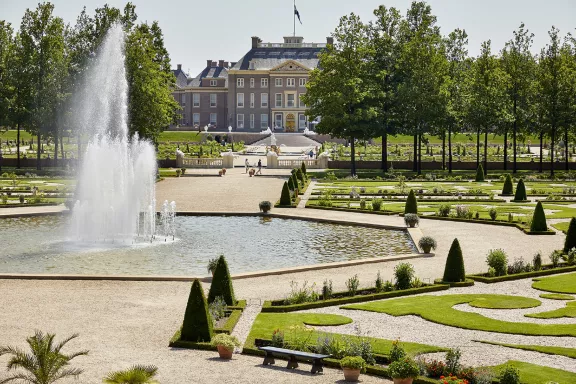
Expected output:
(443, 150)
(415, 157)
(566, 149)
(18, 146)
(506, 149)
(79, 145)
(486, 152)
(353, 157)
(56, 135)
(62, 146)
(477, 148)
(38, 164)
(541, 150)
(385, 150)
(552, 138)
(419, 154)
(514, 169)
(449, 149)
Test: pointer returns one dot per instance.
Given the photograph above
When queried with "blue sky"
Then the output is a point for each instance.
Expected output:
(199, 30)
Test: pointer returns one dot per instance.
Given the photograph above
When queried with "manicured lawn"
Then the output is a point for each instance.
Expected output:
(561, 351)
(439, 309)
(562, 226)
(559, 284)
(183, 136)
(266, 323)
(459, 138)
(557, 296)
(537, 374)
(568, 311)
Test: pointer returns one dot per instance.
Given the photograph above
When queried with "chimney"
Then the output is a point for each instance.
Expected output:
(179, 67)
(330, 40)
(255, 41)
(221, 63)
(208, 63)
(214, 63)
(226, 64)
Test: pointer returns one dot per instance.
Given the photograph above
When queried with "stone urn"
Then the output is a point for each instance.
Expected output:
(408, 380)
(224, 352)
(351, 374)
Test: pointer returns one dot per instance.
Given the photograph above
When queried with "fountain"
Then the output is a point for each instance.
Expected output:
(115, 190)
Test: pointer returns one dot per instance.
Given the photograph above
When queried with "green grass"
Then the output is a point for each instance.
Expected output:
(538, 374)
(558, 284)
(557, 296)
(180, 136)
(562, 226)
(568, 311)
(266, 323)
(438, 309)
(560, 351)
(459, 138)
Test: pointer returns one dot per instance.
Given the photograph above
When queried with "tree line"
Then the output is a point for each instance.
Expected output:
(400, 75)
(42, 65)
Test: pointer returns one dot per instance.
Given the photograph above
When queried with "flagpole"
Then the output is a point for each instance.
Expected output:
(294, 17)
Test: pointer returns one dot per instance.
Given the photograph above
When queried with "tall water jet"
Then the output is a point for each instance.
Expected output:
(117, 174)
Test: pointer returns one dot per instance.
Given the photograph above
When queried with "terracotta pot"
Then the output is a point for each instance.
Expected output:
(403, 381)
(224, 352)
(426, 249)
(351, 374)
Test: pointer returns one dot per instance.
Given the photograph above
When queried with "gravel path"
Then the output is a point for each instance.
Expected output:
(242, 329)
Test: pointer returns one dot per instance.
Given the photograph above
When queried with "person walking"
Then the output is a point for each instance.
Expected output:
(259, 167)
(247, 165)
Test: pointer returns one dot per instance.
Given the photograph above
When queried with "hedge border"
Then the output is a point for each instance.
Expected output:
(524, 275)
(457, 284)
(538, 233)
(385, 213)
(175, 342)
(420, 200)
(270, 308)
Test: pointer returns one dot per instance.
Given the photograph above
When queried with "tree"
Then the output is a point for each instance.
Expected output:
(454, 270)
(508, 188)
(520, 191)
(411, 203)
(570, 241)
(285, 197)
(340, 93)
(137, 374)
(479, 173)
(222, 283)
(518, 63)
(197, 325)
(44, 363)
(6, 51)
(538, 219)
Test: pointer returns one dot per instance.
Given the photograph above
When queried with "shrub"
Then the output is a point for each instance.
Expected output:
(493, 212)
(498, 260)
(376, 204)
(570, 258)
(555, 258)
(327, 289)
(134, 374)
(427, 243)
(570, 241)
(454, 269)
(222, 283)
(353, 362)
(306, 294)
(508, 188)
(291, 183)
(21, 199)
(265, 206)
(295, 181)
(520, 191)
(278, 338)
(537, 261)
(300, 175)
(404, 273)
(480, 173)
(363, 204)
(285, 197)
(352, 285)
(303, 168)
(436, 368)
(224, 340)
(411, 204)
(404, 369)
(463, 212)
(379, 283)
(217, 308)
(411, 219)
(453, 361)
(509, 375)
(197, 324)
(178, 172)
(519, 266)
(539, 219)
(444, 210)
(397, 352)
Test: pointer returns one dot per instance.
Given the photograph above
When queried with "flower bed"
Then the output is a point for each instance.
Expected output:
(339, 298)
(466, 283)
(545, 271)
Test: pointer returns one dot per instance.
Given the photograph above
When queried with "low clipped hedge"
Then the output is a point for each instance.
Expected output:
(385, 213)
(175, 342)
(279, 306)
(466, 283)
(490, 222)
(529, 232)
(524, 275)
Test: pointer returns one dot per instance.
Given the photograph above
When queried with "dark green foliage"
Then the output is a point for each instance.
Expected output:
(300, 175)
(197, 324)
(285, 197)
(454, 269)
(222, 283)
(295, 181)
(539, 219)
(411, 204)
(291, 183)
(520, 191)
(303, 168)
(508, 188)
(480, 173)
(570, 236)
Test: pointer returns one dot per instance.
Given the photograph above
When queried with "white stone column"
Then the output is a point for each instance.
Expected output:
(272, 160)
(228, 160)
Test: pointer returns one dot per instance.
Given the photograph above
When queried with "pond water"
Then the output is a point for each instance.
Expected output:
(39, 245)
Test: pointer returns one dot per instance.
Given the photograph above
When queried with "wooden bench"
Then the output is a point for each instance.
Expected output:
(292, 355)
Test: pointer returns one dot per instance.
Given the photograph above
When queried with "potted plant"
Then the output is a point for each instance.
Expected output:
(220, 173)
(427, 243)
(411, 219)
(178, 172)
(404, 371)
(212, 265)
(225, 344)
(223, 171)
(265, 206)
(352, 366)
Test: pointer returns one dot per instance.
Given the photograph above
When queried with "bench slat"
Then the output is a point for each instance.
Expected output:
(293, 352)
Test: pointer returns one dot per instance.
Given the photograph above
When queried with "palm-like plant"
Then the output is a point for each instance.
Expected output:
(44, 363)
(137, 374)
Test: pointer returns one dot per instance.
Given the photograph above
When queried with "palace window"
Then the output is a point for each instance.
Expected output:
(240, 100)
(251, 120)
(213, 83)
(213, 100)
(240, 120)
(264, 121)
(251, 100)
(278, 82)
(290, 82)
(278, 100)
(264, 100)
(213, 118)
(196, 100)
(240, 82)
(264, 83)
(290, 100)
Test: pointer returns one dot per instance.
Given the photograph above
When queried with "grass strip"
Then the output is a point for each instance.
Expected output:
(560, 351)
(557, 296)
(538, 374)
(568, 311)
(557, 284)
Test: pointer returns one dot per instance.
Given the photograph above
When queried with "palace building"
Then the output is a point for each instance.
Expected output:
(262, 90)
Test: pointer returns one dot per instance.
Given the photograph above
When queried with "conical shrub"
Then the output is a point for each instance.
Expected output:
(285, 197)
(411, 204)
(520, 191)
(295, 181)
(222, 283)
(454, 270)
(303, 168)
(291, 183)
(197, 324)
(539, 219)
(300, 175)
(570, 241)
(508, 188)
(480, 173)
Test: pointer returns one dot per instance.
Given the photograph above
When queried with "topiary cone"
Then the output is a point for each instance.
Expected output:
(539, 219)
(291, 183)
(480, 173)
(285, 197)
(454, 270)
(197, 324)
(411, 203)
(570, 241)
(303, 168)
(222, 283)
(508, 188)
(520, 191)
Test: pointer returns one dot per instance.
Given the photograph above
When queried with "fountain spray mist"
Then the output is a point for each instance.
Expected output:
(116, 178)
